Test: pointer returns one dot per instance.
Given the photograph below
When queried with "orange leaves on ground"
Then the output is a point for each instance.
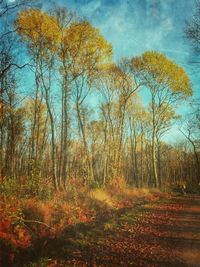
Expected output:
(143, 243)
(33, 220)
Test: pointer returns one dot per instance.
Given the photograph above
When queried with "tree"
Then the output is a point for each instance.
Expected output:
(137, 119)
(192, 32)
(80, 49)
(37, 122)
(83, 55)
(8, 9)
(106, 87)
(41, 33)
(191, 131)
(167, 83)
(126, 87)
(116, 85)
(64, 19)
(11, 126)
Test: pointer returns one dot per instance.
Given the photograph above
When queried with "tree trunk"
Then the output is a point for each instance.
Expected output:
(141, 158)
(89, 160)
(154, 161)
(54, 179)
(65, 138)
(153, 144)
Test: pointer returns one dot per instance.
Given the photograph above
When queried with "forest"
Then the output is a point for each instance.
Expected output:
(83, 136)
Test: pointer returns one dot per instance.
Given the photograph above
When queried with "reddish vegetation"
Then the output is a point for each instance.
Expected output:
(157, 234)
(24, 222)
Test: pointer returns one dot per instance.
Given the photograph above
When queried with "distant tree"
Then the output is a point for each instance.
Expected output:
(8, 40)
(116, 86)
(11, 126)
(137, 118)
(37, 122)
(191, 131)
(106, 87)
(192, 33)
(191, 127)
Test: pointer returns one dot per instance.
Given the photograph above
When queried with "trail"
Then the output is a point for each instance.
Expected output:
(162, 234)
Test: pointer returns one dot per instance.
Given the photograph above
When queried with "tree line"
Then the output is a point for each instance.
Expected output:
(54, 134)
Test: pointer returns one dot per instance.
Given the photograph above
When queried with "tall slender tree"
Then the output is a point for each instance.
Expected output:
(167, 83)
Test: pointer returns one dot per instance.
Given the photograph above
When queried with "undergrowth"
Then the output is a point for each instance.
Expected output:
(27, 218)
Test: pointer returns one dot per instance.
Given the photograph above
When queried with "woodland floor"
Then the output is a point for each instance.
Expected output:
(166, 233)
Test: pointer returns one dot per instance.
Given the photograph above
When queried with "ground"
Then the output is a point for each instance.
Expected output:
(166, 233)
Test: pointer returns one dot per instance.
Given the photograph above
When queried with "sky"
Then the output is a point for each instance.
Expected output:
(135, 26)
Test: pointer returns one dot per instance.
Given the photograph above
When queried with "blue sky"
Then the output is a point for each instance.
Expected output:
(134, 26)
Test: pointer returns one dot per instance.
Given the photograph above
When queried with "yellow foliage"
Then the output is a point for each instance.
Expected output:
(114, 78)
(163, 71)
(82, 47)
(85, 48)
(38, 28)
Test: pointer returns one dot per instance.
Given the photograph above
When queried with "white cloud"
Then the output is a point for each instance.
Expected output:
(168, 25)
(91, 7)
(135, 27)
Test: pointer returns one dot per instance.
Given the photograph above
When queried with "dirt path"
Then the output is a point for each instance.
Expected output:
(184, 235)
(165, 234)
(176, 232)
